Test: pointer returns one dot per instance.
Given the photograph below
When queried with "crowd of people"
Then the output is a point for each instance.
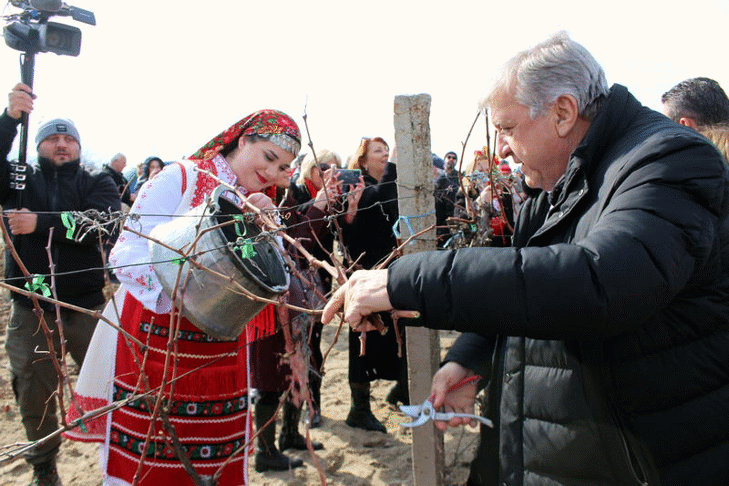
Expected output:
(589, 278)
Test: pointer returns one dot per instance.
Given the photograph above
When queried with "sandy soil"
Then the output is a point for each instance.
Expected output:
(351, 457)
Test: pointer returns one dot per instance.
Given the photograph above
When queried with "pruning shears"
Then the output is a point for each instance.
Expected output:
(424, 412)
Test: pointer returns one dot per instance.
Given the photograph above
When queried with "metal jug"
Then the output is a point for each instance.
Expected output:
(218, 238)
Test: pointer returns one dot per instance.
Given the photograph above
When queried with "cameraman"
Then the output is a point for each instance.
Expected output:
(57, 184)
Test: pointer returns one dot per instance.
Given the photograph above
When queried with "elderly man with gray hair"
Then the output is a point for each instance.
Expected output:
(601, 336)
(115, 169)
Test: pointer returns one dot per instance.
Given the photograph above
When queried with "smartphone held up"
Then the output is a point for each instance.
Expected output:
(349, 176)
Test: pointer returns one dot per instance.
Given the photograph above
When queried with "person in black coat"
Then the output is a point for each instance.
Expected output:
(446, 188)
(601, 335)
(54, 189)
(368, 240)
(114, 168)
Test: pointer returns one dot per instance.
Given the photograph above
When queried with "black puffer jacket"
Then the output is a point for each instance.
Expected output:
(49, 191)
(605, 330)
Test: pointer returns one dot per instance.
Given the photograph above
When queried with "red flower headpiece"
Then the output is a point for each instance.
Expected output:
(282, 129)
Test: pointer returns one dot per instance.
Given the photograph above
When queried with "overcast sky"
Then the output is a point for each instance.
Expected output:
(162, 77)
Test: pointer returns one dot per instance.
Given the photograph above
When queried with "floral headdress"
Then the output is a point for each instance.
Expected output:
(273, 125)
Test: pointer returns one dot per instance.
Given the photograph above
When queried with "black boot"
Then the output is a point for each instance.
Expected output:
(268, 458)
(360, 414)
(45, 474)
(398, 394)
(290, 437)
(313, 417)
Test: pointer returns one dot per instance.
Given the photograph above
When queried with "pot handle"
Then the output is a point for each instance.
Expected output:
(213, 198)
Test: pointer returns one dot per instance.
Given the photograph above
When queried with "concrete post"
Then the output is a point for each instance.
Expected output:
(415, 194)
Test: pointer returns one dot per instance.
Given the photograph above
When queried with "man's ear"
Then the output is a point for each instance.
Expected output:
(566, 113)
(688, 122)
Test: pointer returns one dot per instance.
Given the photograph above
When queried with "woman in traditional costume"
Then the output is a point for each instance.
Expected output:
(206, 406)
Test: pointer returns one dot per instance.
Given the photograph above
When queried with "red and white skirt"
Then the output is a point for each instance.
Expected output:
(205, 399)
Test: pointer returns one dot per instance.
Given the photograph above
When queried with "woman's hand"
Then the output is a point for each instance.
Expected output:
(331, 189)
(353, 197)
(261, 201)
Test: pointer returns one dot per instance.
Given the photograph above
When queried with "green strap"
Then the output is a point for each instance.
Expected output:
(247, 251)
(239, 219)
(69, 223)
(37, 285)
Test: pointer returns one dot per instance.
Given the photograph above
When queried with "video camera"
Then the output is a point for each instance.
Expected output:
(30, 30)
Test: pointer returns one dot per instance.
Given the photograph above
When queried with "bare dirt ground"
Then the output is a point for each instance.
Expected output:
(351, 457)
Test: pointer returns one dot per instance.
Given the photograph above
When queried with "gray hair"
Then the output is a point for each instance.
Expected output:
(541, 74)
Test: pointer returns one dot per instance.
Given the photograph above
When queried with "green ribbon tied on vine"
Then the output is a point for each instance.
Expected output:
(69, 223)
(179, 261)
(247, 251)
(82, 425)
(38, 286)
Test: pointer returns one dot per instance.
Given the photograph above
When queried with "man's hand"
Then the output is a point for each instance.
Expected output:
(460, 400)
(20, 100)
(364, 293)
(22, 221)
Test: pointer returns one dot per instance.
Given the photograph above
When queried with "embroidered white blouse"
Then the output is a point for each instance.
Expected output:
(158, 201)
